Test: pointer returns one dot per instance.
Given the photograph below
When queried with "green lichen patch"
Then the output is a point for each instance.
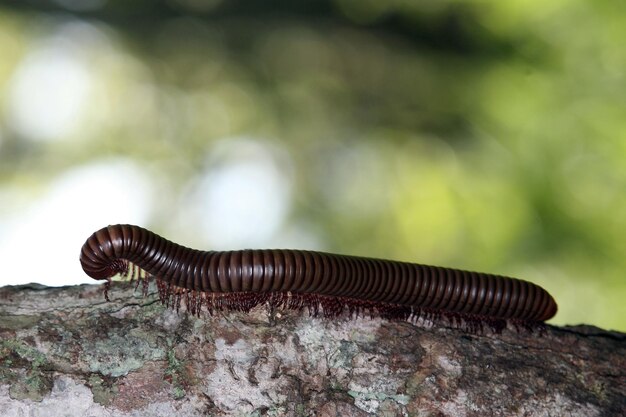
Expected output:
(117, 355)
(18, 322)
(104, 389)
(19, 350)
(372, 401)
(23, 367)
(380, 396)
(300, 410)
(174, 374)
(344, 355)
(33, 385)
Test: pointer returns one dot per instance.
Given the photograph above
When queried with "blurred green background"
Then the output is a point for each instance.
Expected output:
(483, 135)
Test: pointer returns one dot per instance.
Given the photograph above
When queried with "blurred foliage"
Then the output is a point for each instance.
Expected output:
(475, 134)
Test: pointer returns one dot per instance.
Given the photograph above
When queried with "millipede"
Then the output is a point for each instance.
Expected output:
(324, 283)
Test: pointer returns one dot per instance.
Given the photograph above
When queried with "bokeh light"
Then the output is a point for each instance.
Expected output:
(39, 238)
(242, 198)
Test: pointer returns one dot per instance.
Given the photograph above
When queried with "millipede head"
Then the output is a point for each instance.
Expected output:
(106, 271)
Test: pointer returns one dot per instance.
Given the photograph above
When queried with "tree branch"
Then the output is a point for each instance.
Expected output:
(65, 350)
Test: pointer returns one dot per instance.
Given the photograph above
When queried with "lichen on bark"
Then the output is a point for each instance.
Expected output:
(66, 350)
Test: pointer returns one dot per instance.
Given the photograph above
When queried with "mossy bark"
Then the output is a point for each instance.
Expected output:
(65, 351)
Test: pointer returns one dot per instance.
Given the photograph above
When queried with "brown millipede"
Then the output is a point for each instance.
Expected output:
(242, 279)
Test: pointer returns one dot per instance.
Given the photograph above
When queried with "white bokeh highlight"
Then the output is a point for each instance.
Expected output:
(41, 242)
(48, 92)
(244, 196)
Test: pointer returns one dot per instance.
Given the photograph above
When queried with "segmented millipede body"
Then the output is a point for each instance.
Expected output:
(242, 279)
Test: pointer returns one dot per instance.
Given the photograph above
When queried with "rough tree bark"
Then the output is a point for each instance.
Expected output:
(67, 352)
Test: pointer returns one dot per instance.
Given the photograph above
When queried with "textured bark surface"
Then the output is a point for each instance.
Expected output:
(65, 351)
